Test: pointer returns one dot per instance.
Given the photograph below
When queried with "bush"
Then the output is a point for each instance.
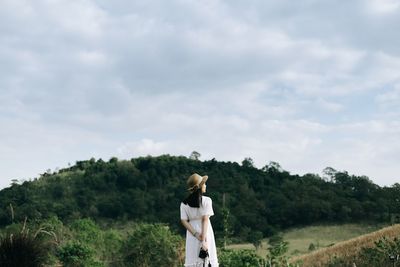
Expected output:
(112, 248)
(276, 256)
(86, 231)
(152, 245)
(379, 255)
(75, 254)
(21, 250)
(311, 247)
(336, 261)
(239, 258)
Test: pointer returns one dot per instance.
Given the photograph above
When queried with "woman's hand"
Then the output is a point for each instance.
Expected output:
(204, 245)
(201, 236)
(198, 236)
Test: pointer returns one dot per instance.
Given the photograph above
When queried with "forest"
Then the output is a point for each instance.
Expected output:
(250, 201)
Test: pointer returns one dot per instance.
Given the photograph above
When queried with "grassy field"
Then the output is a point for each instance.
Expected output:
(347, 250)
(320, 235)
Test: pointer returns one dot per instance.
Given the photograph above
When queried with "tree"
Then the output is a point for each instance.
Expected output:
(195, 155)
(277, 250)
(330, 173)
(226, 225)
(248, 162)
(255, 238)
(151, 188)
(273, 167)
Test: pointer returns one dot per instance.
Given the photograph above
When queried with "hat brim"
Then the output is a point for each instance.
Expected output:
(204, 180)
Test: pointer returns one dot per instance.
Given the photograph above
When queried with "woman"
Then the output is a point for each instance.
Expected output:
(196, 210)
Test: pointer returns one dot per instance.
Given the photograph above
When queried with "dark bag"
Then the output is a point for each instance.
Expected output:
(203, 254)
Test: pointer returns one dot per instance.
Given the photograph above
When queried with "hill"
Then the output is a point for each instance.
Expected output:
(349, 250)
(149, 189)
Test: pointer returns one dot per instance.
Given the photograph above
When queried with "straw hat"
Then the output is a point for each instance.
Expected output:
(196, 181)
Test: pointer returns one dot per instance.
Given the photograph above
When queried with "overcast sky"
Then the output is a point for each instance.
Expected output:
(308, 84)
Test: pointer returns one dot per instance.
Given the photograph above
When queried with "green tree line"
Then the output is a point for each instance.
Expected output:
(150, 189)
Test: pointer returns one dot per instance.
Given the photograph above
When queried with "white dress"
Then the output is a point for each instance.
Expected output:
(192, 243)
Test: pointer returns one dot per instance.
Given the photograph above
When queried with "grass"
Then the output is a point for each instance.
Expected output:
(321, 236)
(348, 249)
(324, 236)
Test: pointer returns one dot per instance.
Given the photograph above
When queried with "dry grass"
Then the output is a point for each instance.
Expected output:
(346, 249)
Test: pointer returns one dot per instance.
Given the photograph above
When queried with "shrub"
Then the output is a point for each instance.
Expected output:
(380, 254)
(152, 245)
(276, 256)
(311, 247)
(112, 248)
(75, 254)
(21, 250)
(336, 261)
(239, 258)
(86, 231)
(351, 251)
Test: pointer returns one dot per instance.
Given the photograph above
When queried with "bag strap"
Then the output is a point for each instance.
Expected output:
(204, 262)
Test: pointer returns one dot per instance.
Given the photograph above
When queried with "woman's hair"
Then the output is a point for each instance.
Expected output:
(194, 199)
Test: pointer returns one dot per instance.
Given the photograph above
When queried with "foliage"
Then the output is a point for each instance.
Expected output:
(248, 163)
(150, 189)
(369, 250)
(339, 262)
(255, 238)
(83, 242)
(112, 247)
(76, 254)
(22, 249)
(311, 247)
(195, 155)
(239, 258)
(383, 253)
(276, 256)
(86, 231)
(88, 243)
(226, 226)
(152, 245)
(275, 240)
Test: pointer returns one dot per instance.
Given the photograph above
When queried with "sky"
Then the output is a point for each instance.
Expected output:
(308, 84)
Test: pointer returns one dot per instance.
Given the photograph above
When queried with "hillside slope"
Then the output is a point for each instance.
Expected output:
(151, 189)
(347, 249)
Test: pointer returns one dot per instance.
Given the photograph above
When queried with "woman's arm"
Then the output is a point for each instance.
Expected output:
(190, 228)
(204, 227)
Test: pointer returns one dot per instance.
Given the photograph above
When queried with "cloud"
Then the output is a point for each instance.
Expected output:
(389, 99)
(383, 7)
(142, 148)
(308, 84)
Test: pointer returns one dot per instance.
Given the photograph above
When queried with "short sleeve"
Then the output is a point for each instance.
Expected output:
(184, 215)
(207, 207)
